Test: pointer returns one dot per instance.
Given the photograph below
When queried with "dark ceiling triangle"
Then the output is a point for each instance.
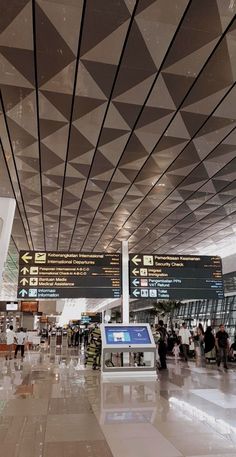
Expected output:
(31, 161)
(19, 136)
(57, 55)
(216, 76)
(100, 165)
(79, 145)
(201, 25)
(193, 121)
(109, 135)
(128, 111)
(12, 95)
(22, 60)
(168, 142)
(58, 180)
(151, 114)
(81, 168)
(48, 127)
(178, 86)
(220, 64)
(215, 123)
(48, 205)
(10, 10)
(143, 5)
(101, 20)
(48, 158)
(84, 105)
(62, 102)
(137, 63)
(102, 73)
(134, 151)
(26, 174)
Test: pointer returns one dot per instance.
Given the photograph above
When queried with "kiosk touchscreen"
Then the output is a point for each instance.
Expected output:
(137, 334)
(128, 349)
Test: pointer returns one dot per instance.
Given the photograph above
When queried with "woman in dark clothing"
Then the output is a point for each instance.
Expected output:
(209, 340)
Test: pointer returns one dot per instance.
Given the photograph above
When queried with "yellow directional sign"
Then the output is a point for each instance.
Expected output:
(26, 257)
(55, 274)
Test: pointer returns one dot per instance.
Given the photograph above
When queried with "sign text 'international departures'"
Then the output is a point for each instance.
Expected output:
(69, 275)
(175, 277)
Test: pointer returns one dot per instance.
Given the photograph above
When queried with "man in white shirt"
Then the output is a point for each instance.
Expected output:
(20, 337)
(11, 339)
(185, 336)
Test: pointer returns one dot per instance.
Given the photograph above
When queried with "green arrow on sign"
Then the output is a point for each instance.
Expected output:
(23, 292)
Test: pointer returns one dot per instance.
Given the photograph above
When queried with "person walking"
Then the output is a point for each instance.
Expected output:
(11, 339)
(209, 341)
(199, 342)
(20, 338)
(222, 345)
(162, 348)
(185, 336)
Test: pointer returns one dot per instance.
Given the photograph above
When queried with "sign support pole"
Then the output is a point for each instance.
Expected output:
(7, 211)
(125, 282)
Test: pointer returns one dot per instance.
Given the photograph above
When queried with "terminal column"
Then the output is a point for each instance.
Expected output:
(125, 282)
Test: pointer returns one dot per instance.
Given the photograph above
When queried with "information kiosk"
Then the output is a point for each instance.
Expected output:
(128, 351)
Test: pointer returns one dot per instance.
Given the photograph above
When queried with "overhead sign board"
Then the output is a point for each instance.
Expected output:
(91, 318)
(175, 277)
(69, 275)
(29, 306)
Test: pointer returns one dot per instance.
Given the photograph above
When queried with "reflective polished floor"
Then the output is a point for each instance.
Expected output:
(53, 407)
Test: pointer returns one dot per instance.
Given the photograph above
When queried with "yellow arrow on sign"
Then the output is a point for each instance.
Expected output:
(24, 281)
(24, 270)
(136, 259)
(26, 257)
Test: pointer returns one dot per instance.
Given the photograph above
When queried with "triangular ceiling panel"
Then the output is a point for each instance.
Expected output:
(102, 73)
(10, 14)
(11, 76)
(84, 105)
(57, 105)
(109, 49)
(12, 95)
(66, 22)
(50, 61)
(63, 81)
(22, 60)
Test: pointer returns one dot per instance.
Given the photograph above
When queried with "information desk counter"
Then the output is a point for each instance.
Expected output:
(128, 351)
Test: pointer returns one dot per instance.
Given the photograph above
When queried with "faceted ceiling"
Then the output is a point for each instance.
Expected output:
(118, 122)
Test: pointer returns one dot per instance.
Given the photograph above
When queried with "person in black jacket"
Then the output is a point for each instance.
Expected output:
(162, 348)
(209, 345)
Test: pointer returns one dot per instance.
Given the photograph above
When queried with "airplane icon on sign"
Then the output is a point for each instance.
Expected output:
(40, 257)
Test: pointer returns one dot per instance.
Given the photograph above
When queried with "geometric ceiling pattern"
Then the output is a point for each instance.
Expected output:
(118, 122)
